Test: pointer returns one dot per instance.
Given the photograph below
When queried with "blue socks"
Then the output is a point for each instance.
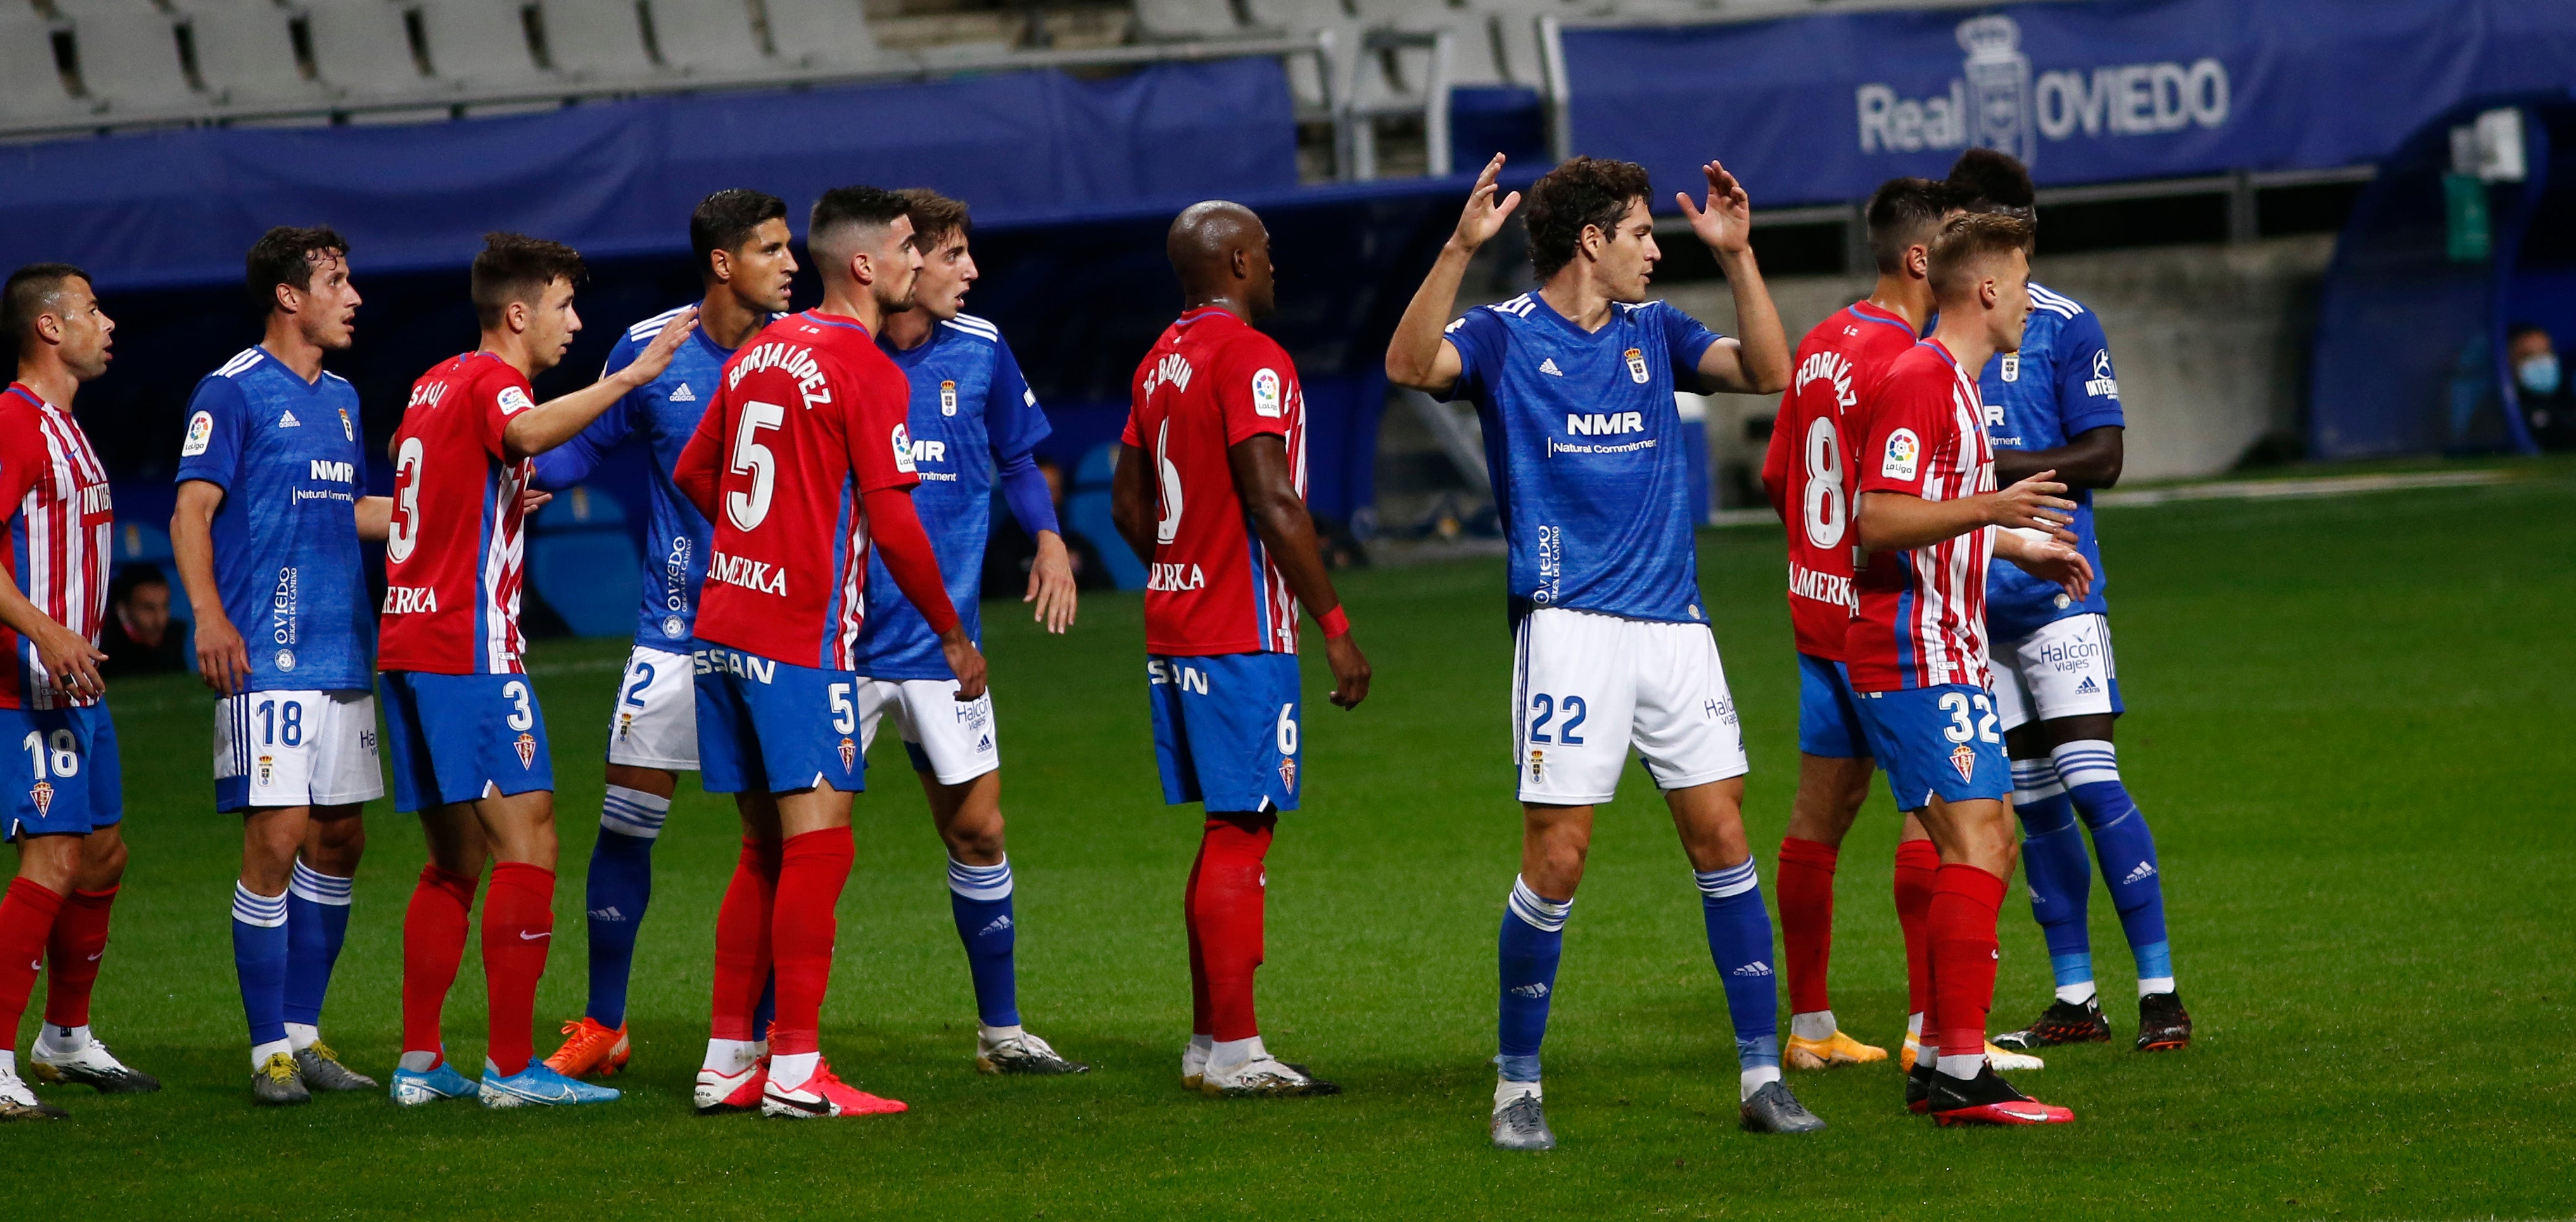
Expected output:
(619, 888)
(259, 959)
(980, 898)
(1533, 940)
(2060, 875)
(1739, 942)
(2127, 851)
(317, 921)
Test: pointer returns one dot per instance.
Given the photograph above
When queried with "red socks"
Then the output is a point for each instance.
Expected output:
(518, 927)
(1965, 902)
(1225, 902)
(433, 945)
(27, 914)
(812, 869)
(742, 940)
(80, 938)
(1915, 862)
(1199, 1019)
(1805, 886)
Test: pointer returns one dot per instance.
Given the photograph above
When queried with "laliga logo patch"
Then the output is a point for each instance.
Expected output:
(1265, 392)
(948, 398)
(1964, 758)
(348, 427)
(902, 449)
(1288, 772)
(1636, 365)
(849, 754)
(527, 746)
(43, 793)
(267, 769)
(201, 429)
(514, 401)
(1904, 455)
(2012, 367)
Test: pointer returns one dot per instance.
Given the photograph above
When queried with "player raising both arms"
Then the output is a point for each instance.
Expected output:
(804, 466)
(1925, 513)
(972, 421)
(1217, 509)
(740, 239)
(270, 512)
(1575, 386)
(2055, 406)
(462, 722)
(55, 505)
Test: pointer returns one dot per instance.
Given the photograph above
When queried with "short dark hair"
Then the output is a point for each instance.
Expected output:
(725, 220)
(935, 216)
(1970, 240)
(122, 586)
(1902, 212)
(842, 208)
(1990, 181)
(283, 255)
(29, 290)
(1582, 192)
(516, 267)
(2518, 330)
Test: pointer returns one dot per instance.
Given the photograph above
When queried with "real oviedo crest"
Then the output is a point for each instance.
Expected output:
(948, 398)
(1636, 365)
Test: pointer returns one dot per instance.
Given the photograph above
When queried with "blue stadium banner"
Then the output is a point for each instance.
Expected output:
(1818, 109)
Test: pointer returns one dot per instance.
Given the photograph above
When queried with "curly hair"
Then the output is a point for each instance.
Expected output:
(1989, 181)
(1583, 193)
(283, 255)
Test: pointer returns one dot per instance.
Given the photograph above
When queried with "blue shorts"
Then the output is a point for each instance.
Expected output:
(1937, 740)
(456, 738)
(1225, 729)
(767, 727)
(82, 785)
(1828, 720)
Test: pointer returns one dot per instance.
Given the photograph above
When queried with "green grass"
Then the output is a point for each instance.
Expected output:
(2348, 726)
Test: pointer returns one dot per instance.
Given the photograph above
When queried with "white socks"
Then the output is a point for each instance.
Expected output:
(1755, 1079)
(789, 1070)
(2155, 984)
(1962, 1068)
(633, 812)
(259, 1053)
(1228, 1056)
(1818, 1026)
(995, 1035)
(418, 1062)
(48, 1043)
(2078, 994)
(730, 1057)
(1505, 1092)
(300, 1036)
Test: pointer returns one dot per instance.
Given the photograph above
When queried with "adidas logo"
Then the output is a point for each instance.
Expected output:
(1755, 968)
(288, 421)
(1549, 368)
(985, 743)
(684, 394)
(1532, 989)
(2087, 687)
(609, 913)
(2146, 869)
(999, 924)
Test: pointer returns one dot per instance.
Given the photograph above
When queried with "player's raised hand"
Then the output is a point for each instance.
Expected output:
(1051, 583)
(1484, 215)
(223, 661)
(2034, 504)
(964, 661)
(656, 356)
(1350, 668)
(2058, 563)
(1725, 224)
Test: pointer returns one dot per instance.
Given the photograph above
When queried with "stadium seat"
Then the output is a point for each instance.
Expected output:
(128, 53)
(582, 562)
(479, 45)
(1331, 87)
(1171, 19)
(1087, 511)
(361, 50)
(246, 54)
(35, 94)
(597, 40)
(829, 34)
(708, 37)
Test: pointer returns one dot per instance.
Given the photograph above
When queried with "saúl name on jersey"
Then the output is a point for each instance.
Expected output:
(750, 666)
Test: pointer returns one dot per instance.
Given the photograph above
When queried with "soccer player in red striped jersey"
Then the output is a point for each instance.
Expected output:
(1807, 473)
(803, 463)
(1928, 517)
(71, 857)
(462, 724)
(1210, 492)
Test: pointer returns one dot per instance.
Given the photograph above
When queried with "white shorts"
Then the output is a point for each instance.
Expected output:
(2062, 670)
(951, 740)
(296, 749)
(655, 723)
(1586, 687)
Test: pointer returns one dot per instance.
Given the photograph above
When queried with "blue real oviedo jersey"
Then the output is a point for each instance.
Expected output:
(2058, 386)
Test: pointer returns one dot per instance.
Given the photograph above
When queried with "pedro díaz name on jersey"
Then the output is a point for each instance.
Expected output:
(1584, 443)
(2058, 386)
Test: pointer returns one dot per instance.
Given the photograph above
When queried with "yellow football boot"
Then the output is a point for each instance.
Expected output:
(1838, 1049)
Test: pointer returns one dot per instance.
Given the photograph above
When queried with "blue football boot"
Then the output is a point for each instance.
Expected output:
(413, 1087)
(538, 1086)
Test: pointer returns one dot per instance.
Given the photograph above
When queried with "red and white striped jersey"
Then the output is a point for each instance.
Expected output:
(456, 553)
(55, 493)
(1922, 620)
(1210, 382)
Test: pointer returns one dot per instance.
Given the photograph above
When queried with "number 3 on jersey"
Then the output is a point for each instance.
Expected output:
(405, 529)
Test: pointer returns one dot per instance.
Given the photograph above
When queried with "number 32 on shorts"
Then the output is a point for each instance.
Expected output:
(1962, 707)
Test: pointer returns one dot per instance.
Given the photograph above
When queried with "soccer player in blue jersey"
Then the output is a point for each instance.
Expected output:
(972, 422)
(1574, 384)
(271, 507)
(2055, 406)
(740, 239)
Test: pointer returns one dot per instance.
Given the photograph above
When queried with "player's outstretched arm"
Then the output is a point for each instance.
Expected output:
(1269, 492)
(2091, 460)
(2048, 560)
(1418, 357)
(1755, 361)
(223, 660)
(1131, 503)
(1896, 521)
(895, 527)
(558, 420)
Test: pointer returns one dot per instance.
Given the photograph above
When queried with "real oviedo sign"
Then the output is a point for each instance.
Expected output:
(2001, 100)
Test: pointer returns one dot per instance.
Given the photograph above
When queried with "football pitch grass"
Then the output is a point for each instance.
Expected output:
(2346, 726)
